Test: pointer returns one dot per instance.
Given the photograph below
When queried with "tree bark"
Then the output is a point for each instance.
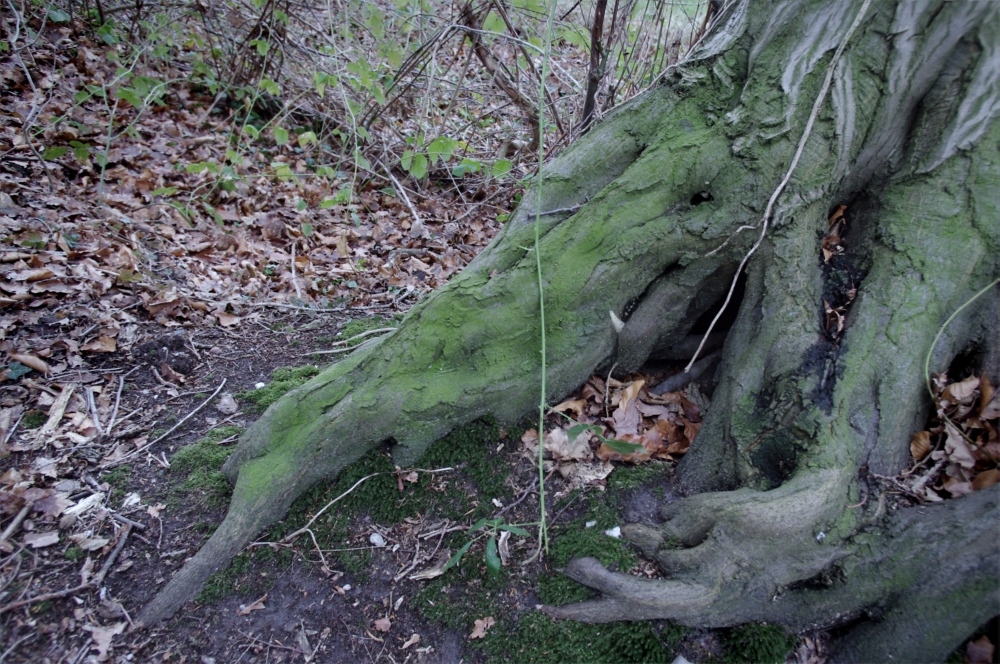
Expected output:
(644, 216)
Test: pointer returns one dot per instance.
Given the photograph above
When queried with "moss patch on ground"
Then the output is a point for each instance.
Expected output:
(282, 380)
(576, 540)
(539, 639)
(757, 643)
(462, 493)
(361, 325)
(201, 462)
(117, 478)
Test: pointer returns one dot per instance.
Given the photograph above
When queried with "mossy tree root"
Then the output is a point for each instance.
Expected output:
(926, 582)
(652, 191)
(471, 349)
(792, 527)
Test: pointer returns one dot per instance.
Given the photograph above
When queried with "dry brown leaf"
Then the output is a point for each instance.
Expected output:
(920, 446)
(52, 503)
(102, 638)
(383, 624)
(986, 392)
(89, 543)
(991, 410)
(577, 406)
(980, 651)
(227, 320)
(986, 479)
(481, 627)
(962, 391)
(558, 444)
(412, 641)
(957, 448)
(40, 540)
(102, 344)
(36, 363)
(246, 609)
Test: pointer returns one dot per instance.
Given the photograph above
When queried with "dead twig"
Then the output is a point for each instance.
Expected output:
(344, 347)
(291, 537)
(136, 451)
(16, 523)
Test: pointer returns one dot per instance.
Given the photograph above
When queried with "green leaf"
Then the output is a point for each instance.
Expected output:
(252, 132)
(418, 168)
(494, 23)
(621, 447)
(261, 45)
(577, 429)
(441, 148)
(280, 135)
(197, 167)
(54, 152)
(15, 370)
(319, 81)
(307, 137)
(457, 558)
(492, 557)
(514, 529)
(80, 150)
(131, 96)
(301, 205)
(342, 197)
(127, 276)
(501, 167)
(164, 191)
(58, 16)
(270, 87)
(307, 230)
(466, 166)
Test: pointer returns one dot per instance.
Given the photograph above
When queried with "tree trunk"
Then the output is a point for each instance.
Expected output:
(644, 215)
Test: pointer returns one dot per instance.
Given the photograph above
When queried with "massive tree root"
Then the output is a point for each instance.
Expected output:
(643, 218)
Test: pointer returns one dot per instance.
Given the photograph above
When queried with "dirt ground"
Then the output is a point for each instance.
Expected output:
(278, 608)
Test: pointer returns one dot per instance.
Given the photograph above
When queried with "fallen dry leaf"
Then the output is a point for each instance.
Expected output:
(246, 610)
(102, 637)
(558, 444)
(481, 627)
(39, 540)
(36, 363)
(102, 344)
(986, 479)
(88, 543)
(383, 624)
(980, 651)
(920, 446)
(413, 640)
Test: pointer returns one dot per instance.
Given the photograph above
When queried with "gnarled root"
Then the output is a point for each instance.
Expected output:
(925, 583)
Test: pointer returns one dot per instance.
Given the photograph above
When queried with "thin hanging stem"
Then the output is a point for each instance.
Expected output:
(543, 533)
